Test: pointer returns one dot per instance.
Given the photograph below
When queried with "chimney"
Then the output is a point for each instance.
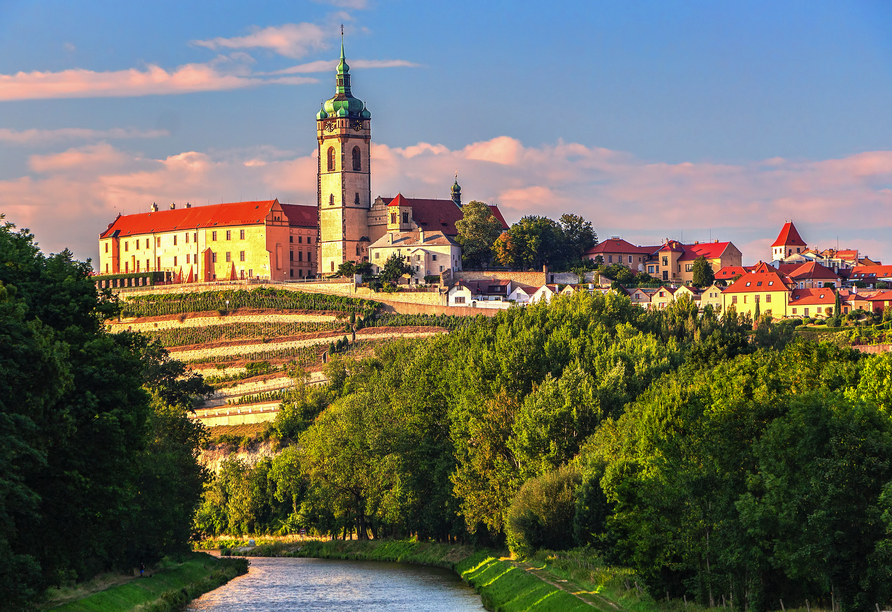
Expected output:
(154, 207)
(172, 205)
(420, 236)
(389, 238)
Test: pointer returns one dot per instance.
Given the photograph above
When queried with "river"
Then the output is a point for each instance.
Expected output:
(274, 584)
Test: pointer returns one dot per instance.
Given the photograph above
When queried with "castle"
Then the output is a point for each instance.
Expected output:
(276, 241)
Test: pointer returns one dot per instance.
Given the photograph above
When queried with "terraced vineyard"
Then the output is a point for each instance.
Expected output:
(245, 342)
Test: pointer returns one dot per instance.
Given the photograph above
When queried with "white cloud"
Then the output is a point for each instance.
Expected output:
(291, 40)
(31, 137)
(69, 48)
(73, 194)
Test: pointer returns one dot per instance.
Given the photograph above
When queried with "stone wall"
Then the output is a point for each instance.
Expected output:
(527, 279)
(874, 348)
(404, 308)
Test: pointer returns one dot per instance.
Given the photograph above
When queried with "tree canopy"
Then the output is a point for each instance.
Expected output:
(478, 230)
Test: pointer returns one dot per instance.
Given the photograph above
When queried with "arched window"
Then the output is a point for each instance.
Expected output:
(357, 159)
(331, 199)
(358, 252)
(331, 160)
(356, 198)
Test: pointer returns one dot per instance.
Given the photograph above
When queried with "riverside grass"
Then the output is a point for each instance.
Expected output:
(169, 589)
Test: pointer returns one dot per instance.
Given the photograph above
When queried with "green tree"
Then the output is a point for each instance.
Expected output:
(478, 230)
(703, 274)
(541, 514)
(579, 236)
(346, 269)
(395, 267)
(532, 242)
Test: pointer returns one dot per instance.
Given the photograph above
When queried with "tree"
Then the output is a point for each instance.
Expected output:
(478, 229)
(347, 269)
(579, 236)
(703, 274)
(395, 267)
(532, 242)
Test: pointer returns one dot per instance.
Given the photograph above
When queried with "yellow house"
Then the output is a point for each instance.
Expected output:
(203, 243)
(766, 289)
(712, 296)
(674, 261)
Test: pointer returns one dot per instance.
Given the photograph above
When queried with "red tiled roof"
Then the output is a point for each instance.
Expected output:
(880, 297)
(814, 271)
(438, 215)
(758, 282)
(729, 272)
(762, 268)
(215, 215)
(302, 215)
(614, 245)
(788, 268)
(709, 250)
(870, 272)
(807, 297)
(788, 236)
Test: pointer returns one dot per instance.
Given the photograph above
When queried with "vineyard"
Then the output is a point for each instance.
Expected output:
(154, 305)
(257, 398)
(238, 331)
(302, 356)
(444, 321)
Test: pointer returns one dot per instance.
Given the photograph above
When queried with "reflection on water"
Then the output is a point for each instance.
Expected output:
(274, 584)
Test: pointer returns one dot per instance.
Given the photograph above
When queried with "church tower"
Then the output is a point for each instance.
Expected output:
(343, 130)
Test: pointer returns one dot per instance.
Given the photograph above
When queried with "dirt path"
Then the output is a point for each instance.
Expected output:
(590, 597)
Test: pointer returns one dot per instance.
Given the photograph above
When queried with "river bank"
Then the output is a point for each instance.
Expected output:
(167, 588)
(503, 584)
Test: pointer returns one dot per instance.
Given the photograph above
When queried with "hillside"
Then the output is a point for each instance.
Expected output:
(251, 345)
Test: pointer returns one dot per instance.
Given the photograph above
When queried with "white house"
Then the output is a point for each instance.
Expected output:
(429, 253)
(545, 292)
(521, 295)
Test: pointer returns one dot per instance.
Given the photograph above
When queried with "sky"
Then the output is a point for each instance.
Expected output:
(690, 120)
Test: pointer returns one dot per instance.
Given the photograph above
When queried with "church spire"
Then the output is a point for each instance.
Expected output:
(343, 77)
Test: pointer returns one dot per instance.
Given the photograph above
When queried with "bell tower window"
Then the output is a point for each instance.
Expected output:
(356, 198)
(357, 159)
(331, 199)
(331, 159)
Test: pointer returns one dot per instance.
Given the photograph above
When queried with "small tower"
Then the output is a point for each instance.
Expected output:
(343, 131)
(456, 192)
(788, 243)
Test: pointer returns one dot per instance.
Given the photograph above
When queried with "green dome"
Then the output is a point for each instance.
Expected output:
(343, 104)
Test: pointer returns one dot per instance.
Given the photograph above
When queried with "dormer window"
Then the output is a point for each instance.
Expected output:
(759, 284)
(748, 283)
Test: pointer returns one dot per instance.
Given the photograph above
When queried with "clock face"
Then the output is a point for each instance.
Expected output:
(357, 125)
(330, 126)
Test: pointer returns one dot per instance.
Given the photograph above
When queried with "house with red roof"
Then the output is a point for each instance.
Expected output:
(238, 240)
(674, 261)
(616, 250)
(870, 275)
(812, 302)
(813, 275)
(788, 243)
(768, 289)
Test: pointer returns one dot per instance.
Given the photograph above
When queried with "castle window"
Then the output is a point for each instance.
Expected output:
(300, 256)
(331, 199)
(228, 235)
(106, 247)
(290, 255)
(309, 240)
(291, 239)
(356, 198)
(228, 257)
(214, 257)
(214, 236)
(357, 251)
(300, 239)
(393, 218)
(187, 241)
(195, 236)
(127, 246)
(241, 256)
(331, 159)
(174, 261)
(357, 159)
(405, 217)
(241, 234)
(187, 258)
(174, 241)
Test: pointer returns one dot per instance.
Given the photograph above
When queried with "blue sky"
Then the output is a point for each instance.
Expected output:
(689, 120)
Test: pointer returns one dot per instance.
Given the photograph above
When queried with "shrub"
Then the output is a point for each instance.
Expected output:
(541, 514)
(832, 322)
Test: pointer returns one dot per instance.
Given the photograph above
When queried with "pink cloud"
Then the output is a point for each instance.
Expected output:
(291, 40)
(154, 80)
(73, 194)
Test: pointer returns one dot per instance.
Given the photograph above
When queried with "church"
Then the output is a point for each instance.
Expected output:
(270, 240)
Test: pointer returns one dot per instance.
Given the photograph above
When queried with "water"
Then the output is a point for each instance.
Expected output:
(274, 584)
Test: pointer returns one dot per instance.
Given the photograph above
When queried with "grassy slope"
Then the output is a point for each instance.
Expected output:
(168, 589)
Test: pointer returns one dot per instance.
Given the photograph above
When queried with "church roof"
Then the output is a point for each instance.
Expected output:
(437, 215)
(788, 236)
(301, 215)
(215, 215)
(343, 104)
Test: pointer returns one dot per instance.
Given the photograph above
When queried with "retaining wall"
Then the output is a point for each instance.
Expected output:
(874, 348)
